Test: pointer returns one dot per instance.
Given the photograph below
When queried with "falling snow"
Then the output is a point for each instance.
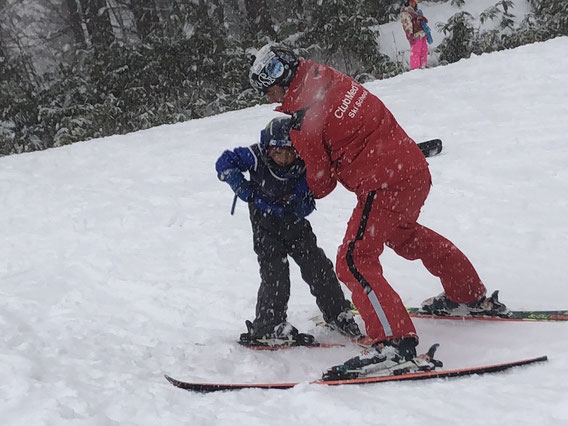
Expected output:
(120, 262)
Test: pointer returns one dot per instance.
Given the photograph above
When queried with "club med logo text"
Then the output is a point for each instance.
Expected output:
(348, 99)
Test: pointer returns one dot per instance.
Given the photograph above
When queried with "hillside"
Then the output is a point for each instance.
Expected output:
(121, 262)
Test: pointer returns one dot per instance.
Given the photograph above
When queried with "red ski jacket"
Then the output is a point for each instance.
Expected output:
(345, 133)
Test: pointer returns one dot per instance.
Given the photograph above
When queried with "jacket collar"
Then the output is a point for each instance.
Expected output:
(309, 86)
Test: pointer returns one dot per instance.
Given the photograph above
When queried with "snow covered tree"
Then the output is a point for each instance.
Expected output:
(74, 21)
(146, 18)
(553, 15)
(340, 34)
(460, 34)
(97, 21)
(259, 20)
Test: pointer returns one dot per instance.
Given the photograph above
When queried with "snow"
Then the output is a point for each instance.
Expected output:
(120, 263)
(393, 41)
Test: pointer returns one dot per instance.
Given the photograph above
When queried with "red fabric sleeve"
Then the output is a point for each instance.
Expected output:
(319, 172)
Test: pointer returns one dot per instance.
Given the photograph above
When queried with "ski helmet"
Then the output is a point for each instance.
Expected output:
(276, 133)
(273, 65)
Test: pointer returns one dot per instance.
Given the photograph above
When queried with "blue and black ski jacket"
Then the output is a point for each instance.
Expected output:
(272, 189)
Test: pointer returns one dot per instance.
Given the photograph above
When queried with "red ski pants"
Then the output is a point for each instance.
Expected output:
(388, 216)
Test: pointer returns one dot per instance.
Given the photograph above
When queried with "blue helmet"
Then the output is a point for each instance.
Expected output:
(273, 65)
(276, 133)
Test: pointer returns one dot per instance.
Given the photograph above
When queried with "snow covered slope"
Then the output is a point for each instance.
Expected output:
(119, 262)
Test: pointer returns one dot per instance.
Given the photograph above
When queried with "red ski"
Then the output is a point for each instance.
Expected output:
(214, 387)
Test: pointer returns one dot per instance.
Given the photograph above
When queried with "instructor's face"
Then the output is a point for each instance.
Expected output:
(275, 94)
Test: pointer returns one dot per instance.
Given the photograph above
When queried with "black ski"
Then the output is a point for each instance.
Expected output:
(315, 345)
(493, 368)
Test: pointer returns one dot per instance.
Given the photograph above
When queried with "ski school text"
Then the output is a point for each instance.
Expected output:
(347, 99)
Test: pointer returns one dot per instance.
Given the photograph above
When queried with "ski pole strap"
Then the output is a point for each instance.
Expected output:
(234, 205)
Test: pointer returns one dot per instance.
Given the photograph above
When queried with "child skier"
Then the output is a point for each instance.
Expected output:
(417, 32)
(279, 200)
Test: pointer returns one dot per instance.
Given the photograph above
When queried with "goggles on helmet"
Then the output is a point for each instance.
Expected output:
(280, 143)
(266, 69)
(270, 140)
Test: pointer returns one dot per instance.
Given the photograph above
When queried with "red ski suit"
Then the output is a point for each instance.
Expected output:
(344, 133)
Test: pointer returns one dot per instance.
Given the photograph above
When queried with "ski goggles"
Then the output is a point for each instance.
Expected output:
(269, 142)
(266, 69)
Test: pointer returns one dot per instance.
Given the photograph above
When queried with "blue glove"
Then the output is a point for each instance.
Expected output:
(230, 167)
(302, 202)
(301, 205)
(269, 207)
(236, 180)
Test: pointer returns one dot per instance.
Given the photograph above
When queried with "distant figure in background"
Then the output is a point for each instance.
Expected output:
(415, 26)
(279, 200)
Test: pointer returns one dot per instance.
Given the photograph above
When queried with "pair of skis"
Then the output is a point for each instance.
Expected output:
(532, 316)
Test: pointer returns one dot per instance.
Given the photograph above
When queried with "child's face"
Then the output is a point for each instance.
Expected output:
(282, 155)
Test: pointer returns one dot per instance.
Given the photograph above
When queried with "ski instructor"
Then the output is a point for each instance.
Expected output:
(345, 133)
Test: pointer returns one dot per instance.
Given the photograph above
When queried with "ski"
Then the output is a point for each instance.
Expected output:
(431, 148)
(534, 316)
(514, 316)
(442, 374)
(285, 347)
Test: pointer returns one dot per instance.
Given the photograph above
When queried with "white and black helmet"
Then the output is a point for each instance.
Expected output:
(273, 65)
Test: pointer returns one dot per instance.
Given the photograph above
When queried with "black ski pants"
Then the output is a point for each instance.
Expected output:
(274, 240)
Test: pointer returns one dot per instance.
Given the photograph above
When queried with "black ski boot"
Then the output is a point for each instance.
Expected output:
(346, 325)
(283, 334)
(486, 306)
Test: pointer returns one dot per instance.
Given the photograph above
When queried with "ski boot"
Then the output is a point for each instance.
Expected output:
(441, 305)
(384, 358)
(345, 324)
(284, 334)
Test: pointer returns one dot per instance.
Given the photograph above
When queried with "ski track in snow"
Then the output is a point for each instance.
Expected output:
(121, 263)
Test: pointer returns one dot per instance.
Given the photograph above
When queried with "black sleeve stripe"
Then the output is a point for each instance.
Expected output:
(298, 118)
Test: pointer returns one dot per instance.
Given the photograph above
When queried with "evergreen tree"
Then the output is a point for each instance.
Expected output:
(552, 15)
(146, 62)
(340, 34)
(460, 34)
(146, 19)
(18, 108)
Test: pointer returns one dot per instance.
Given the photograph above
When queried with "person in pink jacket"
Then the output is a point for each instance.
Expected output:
(413, 23)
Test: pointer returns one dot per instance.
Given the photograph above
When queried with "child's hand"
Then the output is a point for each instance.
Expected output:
(267, 206)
